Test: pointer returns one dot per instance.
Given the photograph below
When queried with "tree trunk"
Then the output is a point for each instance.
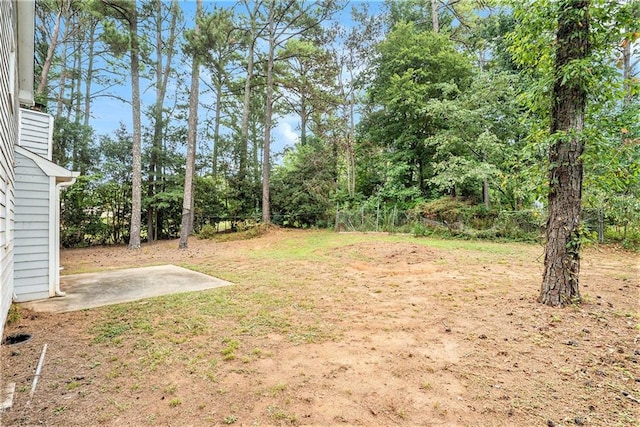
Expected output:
(485, 188)
(63, 75)
(351, 151)
(86, 133)
(79, 147)
(46, 66)
(303, 122)
(562, 258)
(154, 216)
(187, 201)
(627, 70)
(136, 180)
(246, 109)
(89, 76)
(485, 193)
(216, 129)
(435, 23)
(266, 210)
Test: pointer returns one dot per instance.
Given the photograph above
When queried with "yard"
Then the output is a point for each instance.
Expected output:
(339, 329)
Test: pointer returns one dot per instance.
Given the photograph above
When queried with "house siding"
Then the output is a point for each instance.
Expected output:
(33, 126)
(8, 137)
(31, 255)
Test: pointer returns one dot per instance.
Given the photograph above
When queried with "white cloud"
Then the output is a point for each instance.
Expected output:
(285, 134)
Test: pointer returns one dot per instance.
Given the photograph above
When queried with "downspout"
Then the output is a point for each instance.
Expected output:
(56, 271)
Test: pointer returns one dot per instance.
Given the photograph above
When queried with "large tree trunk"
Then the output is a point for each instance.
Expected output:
(562, 258)
(192, 132)
(136, 180)
(266, 208)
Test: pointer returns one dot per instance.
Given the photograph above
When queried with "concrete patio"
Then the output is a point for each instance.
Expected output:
(91, 290)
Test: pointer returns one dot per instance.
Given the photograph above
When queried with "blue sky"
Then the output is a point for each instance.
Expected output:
(108, 112)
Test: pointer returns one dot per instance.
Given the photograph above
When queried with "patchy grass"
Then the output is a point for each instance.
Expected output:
(324, 328)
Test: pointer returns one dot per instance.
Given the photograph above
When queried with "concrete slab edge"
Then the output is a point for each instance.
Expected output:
(9, 392)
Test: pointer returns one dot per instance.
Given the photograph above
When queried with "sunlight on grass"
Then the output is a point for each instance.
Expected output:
(270, 298)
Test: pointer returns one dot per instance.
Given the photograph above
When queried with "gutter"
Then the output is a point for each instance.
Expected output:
(56, 272)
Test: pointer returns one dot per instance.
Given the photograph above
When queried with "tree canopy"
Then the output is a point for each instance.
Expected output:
(316, 107)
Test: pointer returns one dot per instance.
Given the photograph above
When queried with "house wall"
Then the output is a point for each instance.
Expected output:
(8, 137)
(36, 132)
(32, 234)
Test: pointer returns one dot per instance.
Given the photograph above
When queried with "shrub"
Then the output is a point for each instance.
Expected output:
(208, 231)
(14, 314)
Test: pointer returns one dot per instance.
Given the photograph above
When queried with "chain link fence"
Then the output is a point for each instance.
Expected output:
(527, 225)
(524, 225)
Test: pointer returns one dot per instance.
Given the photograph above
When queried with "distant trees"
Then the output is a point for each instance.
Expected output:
(419, 75)
(402, 103)
(126, 12)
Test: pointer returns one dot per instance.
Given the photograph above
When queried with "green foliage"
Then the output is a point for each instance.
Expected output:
(169, 204)
(116, 158)
(80, 214)
(208, 232)
(97, 208)
(209, 200)
(628, 237)
(243, 230)
(117, 41)
(72, 146)
(446, 217)
(482, 140)
(301, 188)
(110, 331)
(14, 315)
(438, 128)
(418, 75)
(611, 175)
(449, 210)
(612, 164)
(440, 114)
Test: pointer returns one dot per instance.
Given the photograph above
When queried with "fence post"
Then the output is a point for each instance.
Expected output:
(377, 215)
(336, 227)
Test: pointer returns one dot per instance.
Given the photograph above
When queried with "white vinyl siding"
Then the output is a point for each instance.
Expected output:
(8, 137)
(31, 256)
(33, 126)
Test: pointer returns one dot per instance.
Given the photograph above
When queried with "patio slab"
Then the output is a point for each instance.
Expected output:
(91, 290)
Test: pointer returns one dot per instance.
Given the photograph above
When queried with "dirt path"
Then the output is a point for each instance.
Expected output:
(326, 329)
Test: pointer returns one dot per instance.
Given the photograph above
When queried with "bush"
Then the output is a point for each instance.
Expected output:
(629, 238)
(526, 225)
(456, 213)
(247, 233)
(242, 230)
(208, 231)
(14, 315)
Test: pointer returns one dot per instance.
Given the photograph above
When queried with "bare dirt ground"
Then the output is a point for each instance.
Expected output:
(356, 330)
